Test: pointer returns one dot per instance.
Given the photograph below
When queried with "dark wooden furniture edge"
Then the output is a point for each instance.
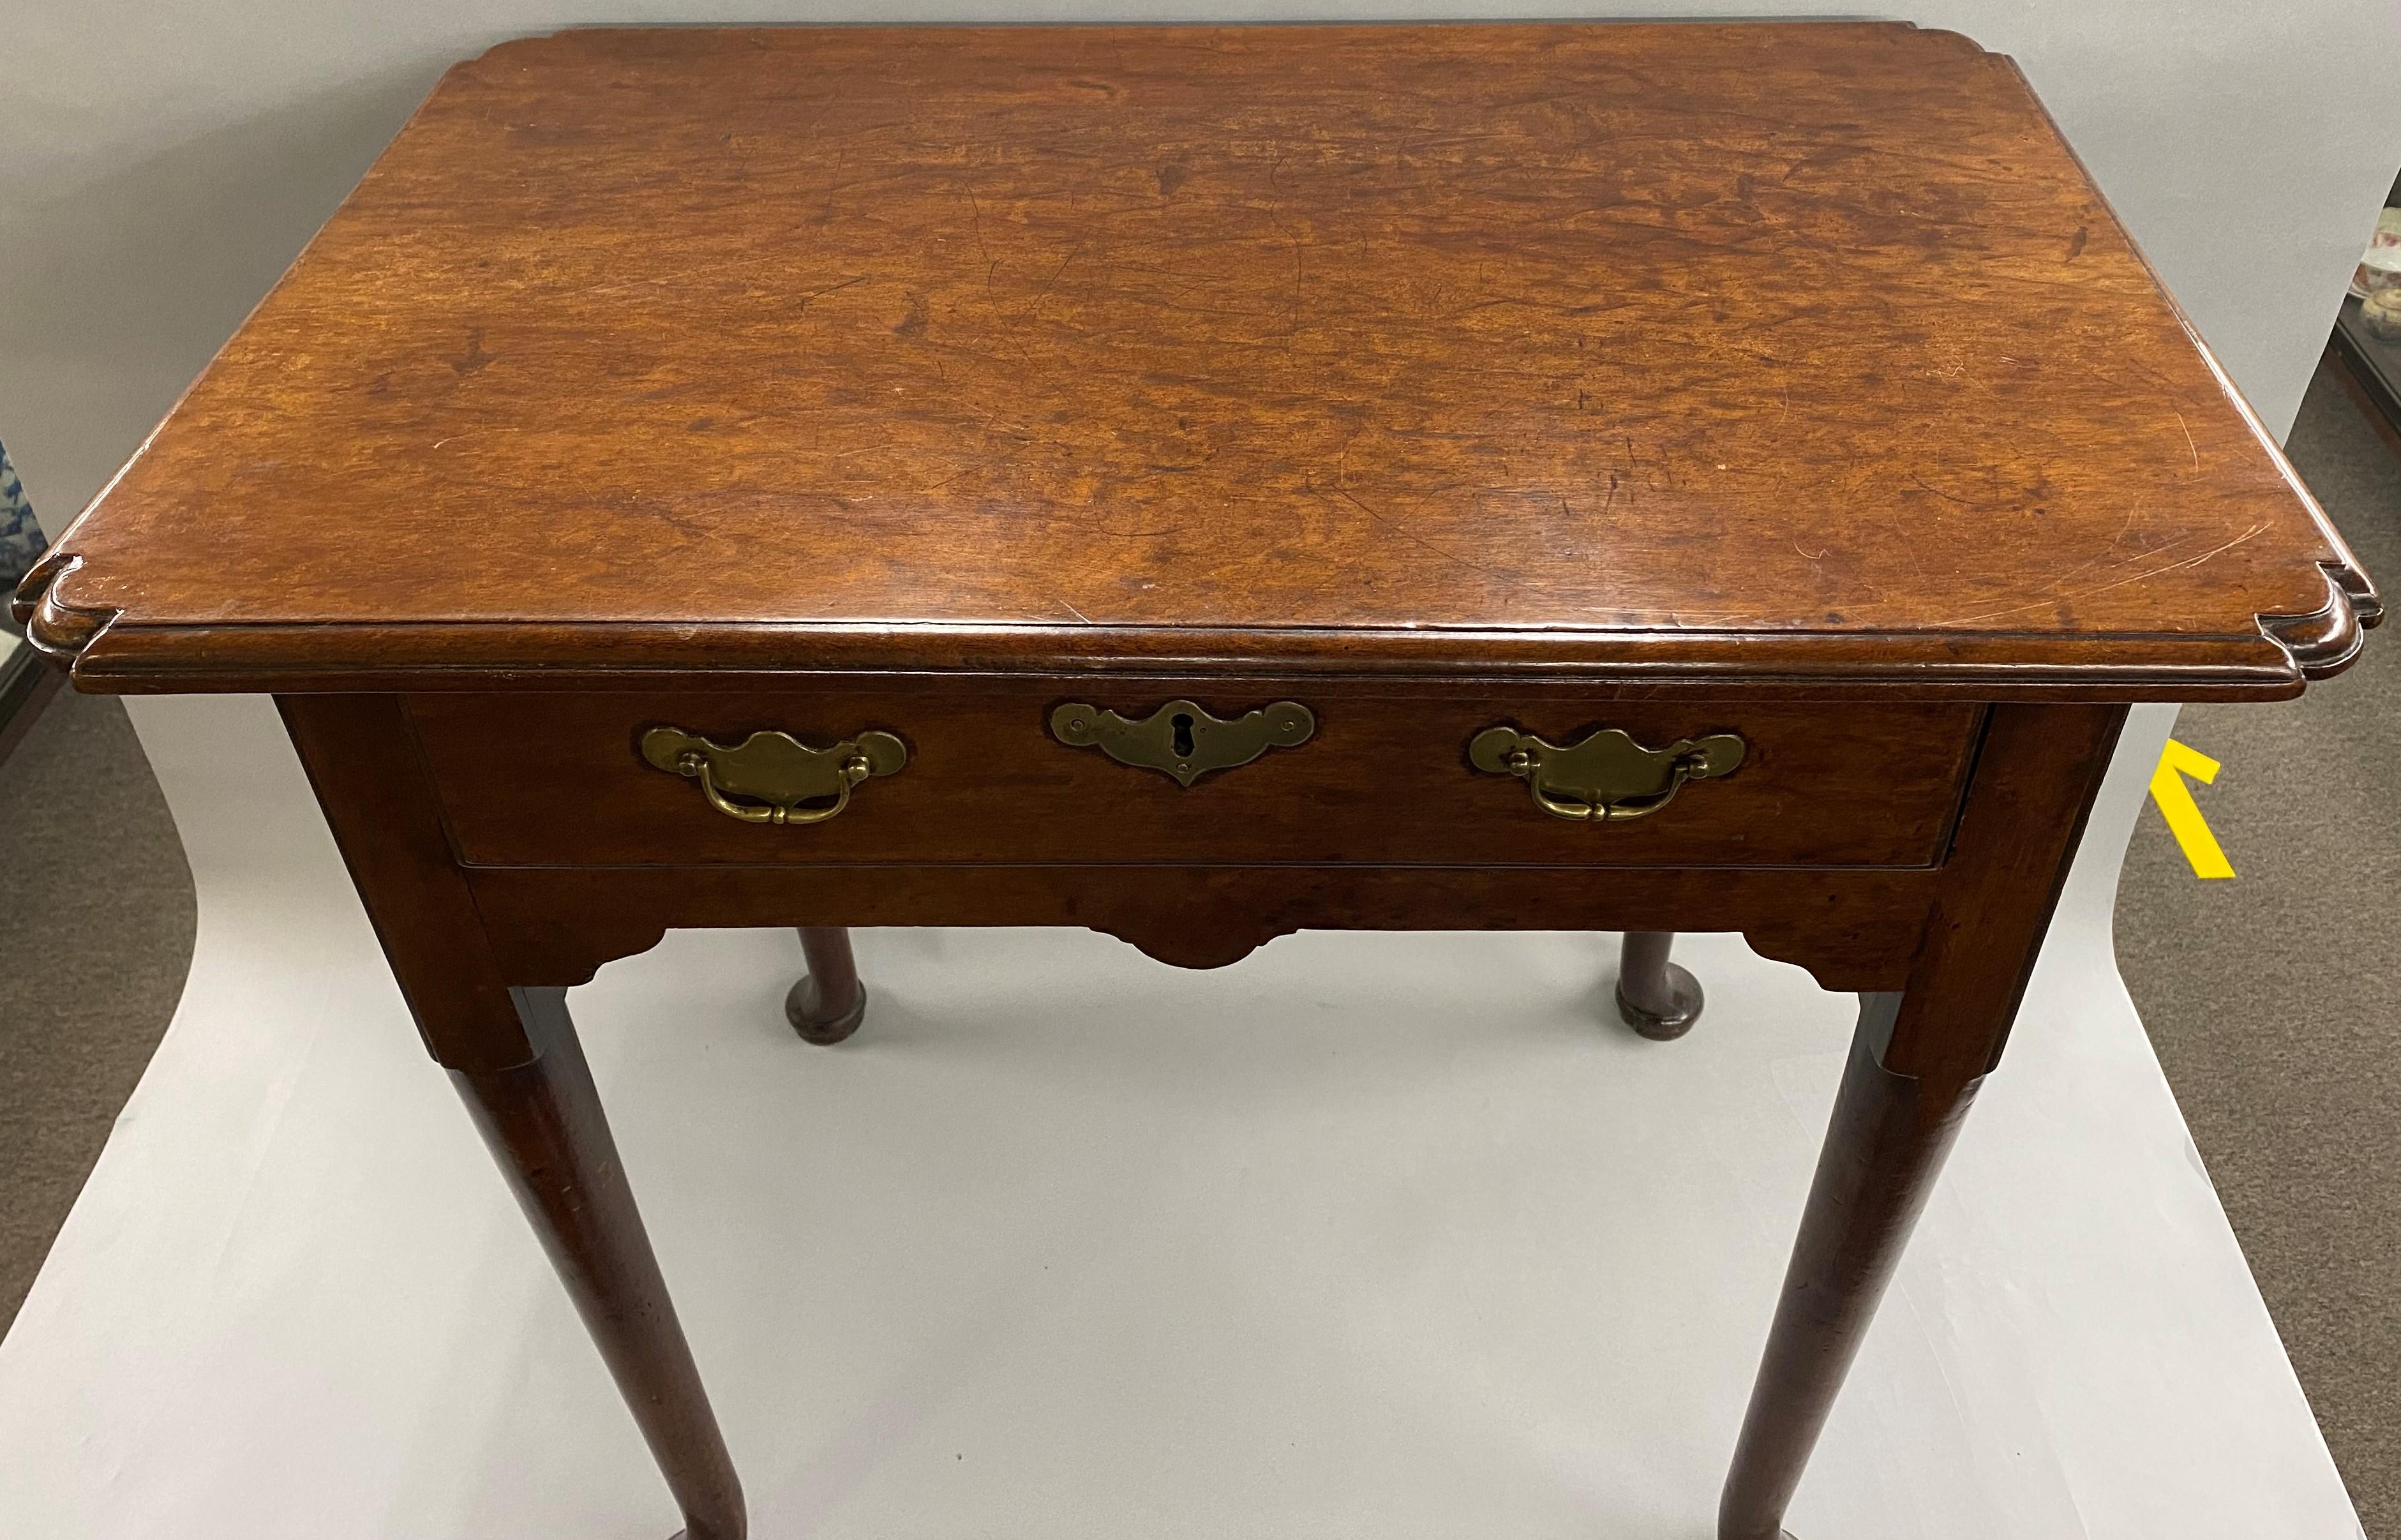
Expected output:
(1850, 929)
(2272, 660)
(2322, 642)
(106, 654)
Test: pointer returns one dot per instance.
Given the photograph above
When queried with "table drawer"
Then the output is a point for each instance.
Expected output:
(546, 779)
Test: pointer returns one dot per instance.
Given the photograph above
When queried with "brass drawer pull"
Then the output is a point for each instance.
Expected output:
(1608, 777)
(774, 774)
(1182, 739)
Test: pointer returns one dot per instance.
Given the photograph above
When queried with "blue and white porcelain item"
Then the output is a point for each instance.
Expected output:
(21, 538)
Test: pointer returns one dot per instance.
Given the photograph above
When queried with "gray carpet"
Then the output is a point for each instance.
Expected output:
(2261, 993)
(2270, 996)
(96, 928)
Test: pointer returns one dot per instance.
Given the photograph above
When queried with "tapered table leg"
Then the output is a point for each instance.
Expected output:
(1916, 1061)
(1656, 996)
(1883, 1147)
(828, 1002)
(543, 1123)
(513, 1056)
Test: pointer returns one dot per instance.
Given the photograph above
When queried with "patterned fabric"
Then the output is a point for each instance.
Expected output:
(21, 538)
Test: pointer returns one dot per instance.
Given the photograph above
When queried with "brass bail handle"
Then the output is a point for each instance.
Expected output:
(1524, 765)
(1608, 777)
(693, 763)
(773, 778)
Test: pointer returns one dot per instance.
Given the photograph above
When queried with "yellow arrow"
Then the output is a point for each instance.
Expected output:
(2183, 813)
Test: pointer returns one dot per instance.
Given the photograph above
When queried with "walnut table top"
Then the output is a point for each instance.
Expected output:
(1693, 351)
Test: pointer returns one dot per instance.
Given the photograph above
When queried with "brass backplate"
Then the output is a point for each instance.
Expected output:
(1608, 777)
(1181, 738)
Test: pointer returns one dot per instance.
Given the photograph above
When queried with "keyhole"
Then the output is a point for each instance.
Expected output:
(1183, 725)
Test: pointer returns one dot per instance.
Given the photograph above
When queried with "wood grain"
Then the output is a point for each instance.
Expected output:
(556, 780)
(1805, 349)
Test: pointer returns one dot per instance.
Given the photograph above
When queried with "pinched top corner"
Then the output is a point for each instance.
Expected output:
(51, 627)
(2323, 641)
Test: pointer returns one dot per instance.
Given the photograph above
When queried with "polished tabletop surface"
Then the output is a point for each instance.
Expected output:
(1782, 350)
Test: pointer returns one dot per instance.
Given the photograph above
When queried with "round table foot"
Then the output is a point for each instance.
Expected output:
(1684, 992)
(809, 1018)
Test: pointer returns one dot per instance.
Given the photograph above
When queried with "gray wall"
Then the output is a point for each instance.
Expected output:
(161, 161)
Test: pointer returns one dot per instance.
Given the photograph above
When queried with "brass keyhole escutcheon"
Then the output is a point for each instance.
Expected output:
(1182, 739)
(1608, 777)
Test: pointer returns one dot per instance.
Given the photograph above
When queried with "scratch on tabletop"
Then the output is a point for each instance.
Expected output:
(454, 438)
(815, 294)
(1938, 491)
(1053, 281)
(2145, 574)
(975, 207)
(2133, 512)
(2188, 443)
(1424, 544)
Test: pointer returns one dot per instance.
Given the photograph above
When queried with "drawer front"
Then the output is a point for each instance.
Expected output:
(559, 780)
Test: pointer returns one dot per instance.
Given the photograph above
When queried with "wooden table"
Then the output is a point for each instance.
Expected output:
(1201, 484)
